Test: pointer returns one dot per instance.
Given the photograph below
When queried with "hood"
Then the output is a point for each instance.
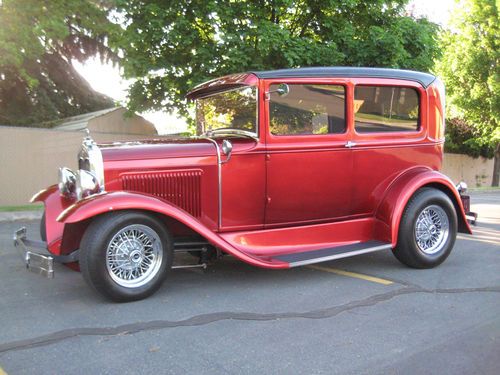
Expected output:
(156, 149)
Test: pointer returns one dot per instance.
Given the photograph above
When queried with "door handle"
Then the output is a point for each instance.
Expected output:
(350, 144)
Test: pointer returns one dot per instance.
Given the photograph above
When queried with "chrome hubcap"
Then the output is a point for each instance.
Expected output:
(432, 229)
(134, 256)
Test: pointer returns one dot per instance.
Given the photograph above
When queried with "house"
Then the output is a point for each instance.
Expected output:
(111, 121)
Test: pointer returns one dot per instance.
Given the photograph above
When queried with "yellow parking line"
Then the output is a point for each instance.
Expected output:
(352, 274)
(482, 237)
(486, 231)
(2, 372)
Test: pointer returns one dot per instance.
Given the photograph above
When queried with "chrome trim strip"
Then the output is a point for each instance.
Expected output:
(35, 197)
(339, 256)
(198, 265)
(219, 172)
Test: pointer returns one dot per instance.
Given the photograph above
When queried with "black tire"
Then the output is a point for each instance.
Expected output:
(416, 254)
(94, 248)
(43, 228)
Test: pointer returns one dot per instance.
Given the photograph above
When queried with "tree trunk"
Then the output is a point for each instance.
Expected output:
(496, 167)
(200, 119)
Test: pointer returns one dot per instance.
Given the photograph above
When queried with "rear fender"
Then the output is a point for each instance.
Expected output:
(391, 208)
(86, 209)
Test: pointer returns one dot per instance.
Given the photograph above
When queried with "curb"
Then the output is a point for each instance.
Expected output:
(486, 190)
(20, 215)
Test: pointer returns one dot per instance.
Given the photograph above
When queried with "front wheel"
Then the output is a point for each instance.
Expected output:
(428, 229)
(43, 228)
(125, 255)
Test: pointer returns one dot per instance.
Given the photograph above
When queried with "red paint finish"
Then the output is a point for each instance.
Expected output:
(392, 205)
(116, 201)
(280, 194)
(244, 187)
(54, 205)
(156, 149)
(288, 240)
(202, 159)
(309, 177)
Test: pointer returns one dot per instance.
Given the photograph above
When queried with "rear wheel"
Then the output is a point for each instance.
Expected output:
(428, 229)
(125, 255)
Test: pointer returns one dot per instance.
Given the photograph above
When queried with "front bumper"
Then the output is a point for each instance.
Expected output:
(41, 263)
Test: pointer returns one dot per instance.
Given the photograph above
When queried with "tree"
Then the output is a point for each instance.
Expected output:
(470, 70)
(169, 47)
(38, 40)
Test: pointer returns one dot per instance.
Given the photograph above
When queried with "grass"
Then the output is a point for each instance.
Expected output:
(29, 207)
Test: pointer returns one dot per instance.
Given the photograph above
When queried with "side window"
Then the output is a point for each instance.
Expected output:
(385, 109)
(308, 109)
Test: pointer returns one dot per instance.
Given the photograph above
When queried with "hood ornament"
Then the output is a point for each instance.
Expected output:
(87, 140)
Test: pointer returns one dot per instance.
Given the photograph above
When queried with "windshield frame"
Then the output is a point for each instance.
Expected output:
(227, 131)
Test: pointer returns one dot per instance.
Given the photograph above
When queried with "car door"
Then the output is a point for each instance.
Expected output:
(308, 159)
(389, 137)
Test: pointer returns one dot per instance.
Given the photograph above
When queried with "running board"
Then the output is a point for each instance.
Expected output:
(331, 253)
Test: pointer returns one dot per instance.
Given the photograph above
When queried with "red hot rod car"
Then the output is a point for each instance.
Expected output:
(290, 167)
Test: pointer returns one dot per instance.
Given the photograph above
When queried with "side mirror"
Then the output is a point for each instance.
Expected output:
(282, 90)
(227, 148)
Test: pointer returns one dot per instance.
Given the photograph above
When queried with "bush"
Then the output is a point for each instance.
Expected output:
(461, 139)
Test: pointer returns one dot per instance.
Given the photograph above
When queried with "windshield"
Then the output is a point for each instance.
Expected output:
(234, 109)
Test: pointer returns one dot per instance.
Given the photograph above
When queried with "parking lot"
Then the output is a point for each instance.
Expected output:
(363, 315)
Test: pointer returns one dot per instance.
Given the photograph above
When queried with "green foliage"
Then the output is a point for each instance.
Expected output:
(38, 40)
(470, 70)
(171, 46)
(461, 139)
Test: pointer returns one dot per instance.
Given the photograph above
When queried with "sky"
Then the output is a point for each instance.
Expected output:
(106, 79)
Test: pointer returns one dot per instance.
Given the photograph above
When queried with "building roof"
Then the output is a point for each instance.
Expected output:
(425, 79)
(80, 122)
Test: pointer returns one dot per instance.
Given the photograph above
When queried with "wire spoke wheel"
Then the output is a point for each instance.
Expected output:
(432, 229)
(134, 256)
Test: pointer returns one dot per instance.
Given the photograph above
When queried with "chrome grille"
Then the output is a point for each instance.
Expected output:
(181, 188)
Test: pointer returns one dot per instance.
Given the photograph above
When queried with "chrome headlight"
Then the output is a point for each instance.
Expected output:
(86, 184)
(461, 187)
(67, 183)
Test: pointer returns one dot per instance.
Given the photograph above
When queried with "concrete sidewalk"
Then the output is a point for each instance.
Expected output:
(20, 215)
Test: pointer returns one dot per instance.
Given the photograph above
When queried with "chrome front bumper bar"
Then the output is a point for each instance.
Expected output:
(42, 264)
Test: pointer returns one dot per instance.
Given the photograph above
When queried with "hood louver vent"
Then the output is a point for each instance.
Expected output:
(181, 188)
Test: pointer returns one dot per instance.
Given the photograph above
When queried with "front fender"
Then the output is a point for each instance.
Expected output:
(54, 205)
(399, 193)
(116, 201)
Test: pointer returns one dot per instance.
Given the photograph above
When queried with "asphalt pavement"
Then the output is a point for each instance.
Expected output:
(363, 315)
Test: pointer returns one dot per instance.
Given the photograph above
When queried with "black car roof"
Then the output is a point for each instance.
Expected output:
(425, 79)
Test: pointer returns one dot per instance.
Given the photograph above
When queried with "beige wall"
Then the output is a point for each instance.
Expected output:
(475, 172)
(117, 122)
(30, 158)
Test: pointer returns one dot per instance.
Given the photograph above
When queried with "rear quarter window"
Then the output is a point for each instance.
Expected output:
(382, 109)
